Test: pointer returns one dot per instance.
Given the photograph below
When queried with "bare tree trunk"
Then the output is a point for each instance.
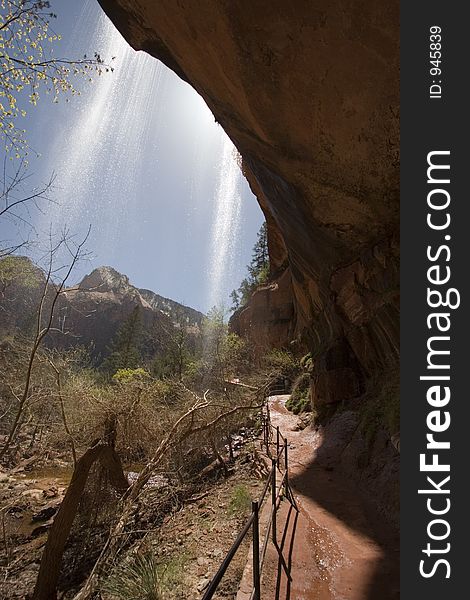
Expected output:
(37, 428)
(49, 570)
(128, 500)
(112, 544)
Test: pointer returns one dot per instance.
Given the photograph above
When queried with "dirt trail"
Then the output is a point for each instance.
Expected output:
(342, 549)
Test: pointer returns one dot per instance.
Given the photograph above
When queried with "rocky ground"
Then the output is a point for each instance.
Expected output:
(339, 546)
(29, 500)
(194, 540)
(188, 545)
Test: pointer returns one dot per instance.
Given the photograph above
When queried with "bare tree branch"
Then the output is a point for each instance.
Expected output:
(42, 331)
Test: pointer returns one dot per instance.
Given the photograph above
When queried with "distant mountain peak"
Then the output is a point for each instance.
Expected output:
(175, 310)
(105, 279)
(92, 314)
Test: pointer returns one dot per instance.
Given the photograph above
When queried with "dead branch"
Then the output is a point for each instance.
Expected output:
(111, 546)
(49, 569)
(62, 411)
(128, 500)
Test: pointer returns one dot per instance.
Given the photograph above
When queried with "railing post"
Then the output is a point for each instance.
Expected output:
(256, 571)
(273, 499)
(266, 435)
(278, 437)
(286, 465)
(263, 430)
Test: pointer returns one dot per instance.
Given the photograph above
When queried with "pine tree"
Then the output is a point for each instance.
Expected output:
(124, 350)
(258, 270)
(260, 255)
(235, 298)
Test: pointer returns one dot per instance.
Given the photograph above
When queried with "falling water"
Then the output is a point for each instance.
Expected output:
(129, 130)
(226, 225)
(110, 121)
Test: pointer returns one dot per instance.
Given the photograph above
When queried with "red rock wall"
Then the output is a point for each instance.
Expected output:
(268, 320)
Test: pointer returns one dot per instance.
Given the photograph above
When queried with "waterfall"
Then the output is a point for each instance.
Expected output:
(225, 225)
(104, 136)
(140, 157)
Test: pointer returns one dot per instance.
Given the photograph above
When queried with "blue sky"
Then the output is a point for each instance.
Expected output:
(140, 158)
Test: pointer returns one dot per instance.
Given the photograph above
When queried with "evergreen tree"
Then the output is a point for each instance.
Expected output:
(260, 256)
(177, 347)
(258, 270)
(235, 298)
(124, 350)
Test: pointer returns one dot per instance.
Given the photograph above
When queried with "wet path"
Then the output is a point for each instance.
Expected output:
(341, 548)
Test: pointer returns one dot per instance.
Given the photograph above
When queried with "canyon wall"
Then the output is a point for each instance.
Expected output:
(308, 92)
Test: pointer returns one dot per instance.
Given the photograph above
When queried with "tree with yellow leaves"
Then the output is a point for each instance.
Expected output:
(29, 68)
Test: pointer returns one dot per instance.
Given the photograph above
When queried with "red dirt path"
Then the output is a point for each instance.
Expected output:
(342, 549)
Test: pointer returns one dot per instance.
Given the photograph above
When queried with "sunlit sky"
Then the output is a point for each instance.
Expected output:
(140, 158)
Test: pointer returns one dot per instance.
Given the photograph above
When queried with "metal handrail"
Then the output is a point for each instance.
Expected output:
(253, 520)
(228, 559)
(265, 490)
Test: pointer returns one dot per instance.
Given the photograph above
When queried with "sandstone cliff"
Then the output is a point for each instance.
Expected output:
(308, 92)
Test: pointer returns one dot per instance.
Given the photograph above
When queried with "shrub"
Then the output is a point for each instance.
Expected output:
(282, 363)
(381, 408)
(300, 397)
(138, 580)
(130, 375)
(240, 502)
(307, 362)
